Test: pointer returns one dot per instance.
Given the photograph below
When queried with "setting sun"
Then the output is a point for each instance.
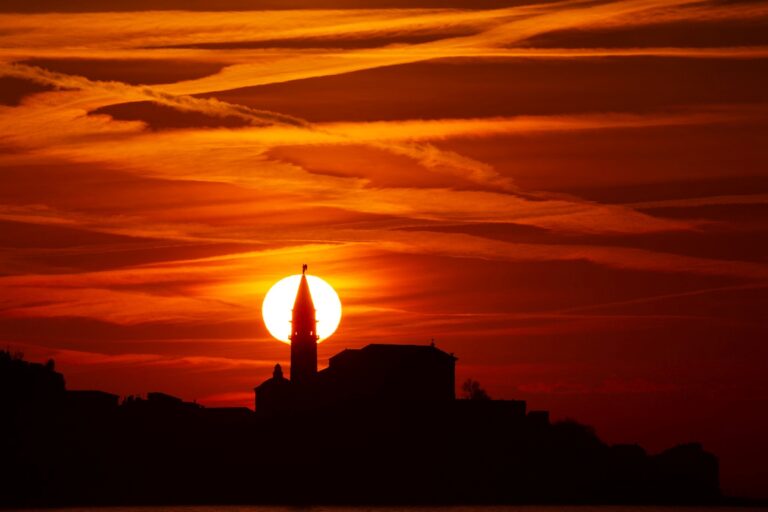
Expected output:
(278, 304)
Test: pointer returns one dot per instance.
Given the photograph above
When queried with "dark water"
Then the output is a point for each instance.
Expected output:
(504, 508)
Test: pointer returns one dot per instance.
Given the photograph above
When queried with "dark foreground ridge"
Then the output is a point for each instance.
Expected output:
(381, 427)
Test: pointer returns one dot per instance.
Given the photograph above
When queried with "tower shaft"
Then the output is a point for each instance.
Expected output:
(303, 335)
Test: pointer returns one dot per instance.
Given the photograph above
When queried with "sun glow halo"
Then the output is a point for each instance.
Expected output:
(278, 304)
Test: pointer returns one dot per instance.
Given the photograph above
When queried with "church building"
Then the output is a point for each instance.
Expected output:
(374, 374)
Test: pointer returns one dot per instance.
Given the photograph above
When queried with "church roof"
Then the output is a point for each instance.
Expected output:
(384, 348)
(385, 351)
(276, 380)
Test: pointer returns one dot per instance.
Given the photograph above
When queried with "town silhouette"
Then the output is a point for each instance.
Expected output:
(380, 425)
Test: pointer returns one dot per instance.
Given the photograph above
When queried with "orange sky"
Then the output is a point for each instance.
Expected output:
(570, 196)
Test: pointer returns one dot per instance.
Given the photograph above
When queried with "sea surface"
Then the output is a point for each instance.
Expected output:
(469, 508)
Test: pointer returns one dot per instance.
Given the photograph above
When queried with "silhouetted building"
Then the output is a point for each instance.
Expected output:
(389, 373)
(228, 413)
(377, 373)
(491, 410)
(275, 395)
(538, 418)
(91, 401)
(32, 385)
(160, 403)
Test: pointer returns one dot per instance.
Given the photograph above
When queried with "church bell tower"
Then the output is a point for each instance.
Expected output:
(303, 334)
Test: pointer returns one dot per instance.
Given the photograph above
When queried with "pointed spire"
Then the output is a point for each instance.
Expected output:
(303, 306)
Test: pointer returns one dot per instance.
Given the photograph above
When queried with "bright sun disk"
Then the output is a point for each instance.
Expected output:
(278, 305)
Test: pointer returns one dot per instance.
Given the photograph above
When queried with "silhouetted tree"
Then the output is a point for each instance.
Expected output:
(473, 391)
